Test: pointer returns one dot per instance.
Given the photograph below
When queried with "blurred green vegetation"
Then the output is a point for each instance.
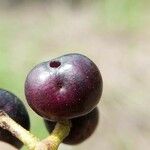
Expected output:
(13, 70)
(121, 14)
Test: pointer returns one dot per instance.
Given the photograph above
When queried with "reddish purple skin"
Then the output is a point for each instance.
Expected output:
(14, 107)
(63, 88)
(82, 127)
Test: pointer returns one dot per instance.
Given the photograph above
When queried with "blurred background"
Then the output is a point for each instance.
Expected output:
(115, 34)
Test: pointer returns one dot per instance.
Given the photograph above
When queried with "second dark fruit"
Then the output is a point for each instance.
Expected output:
(82, 127)
(14, 107)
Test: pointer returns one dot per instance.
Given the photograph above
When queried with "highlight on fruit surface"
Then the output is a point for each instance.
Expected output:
(14, 107)
(82, 127)
(64, 88)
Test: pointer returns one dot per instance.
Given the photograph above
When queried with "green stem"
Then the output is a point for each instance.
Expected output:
(60, 132)
(18, 131)
(52, 142)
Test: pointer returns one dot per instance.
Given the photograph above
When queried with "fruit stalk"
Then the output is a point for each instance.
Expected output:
(52, 142)
(19, 132)
(60, 132)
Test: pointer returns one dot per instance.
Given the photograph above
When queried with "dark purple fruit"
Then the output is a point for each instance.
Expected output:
(64, 88)
(14, 107)
(82, 127)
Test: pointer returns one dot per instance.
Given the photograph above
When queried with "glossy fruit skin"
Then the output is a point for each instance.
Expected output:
(82, 127)
(64, 88)
(14, 107)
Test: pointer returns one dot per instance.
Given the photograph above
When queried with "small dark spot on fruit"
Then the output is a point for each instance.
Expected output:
(59, 85)
(55, 64)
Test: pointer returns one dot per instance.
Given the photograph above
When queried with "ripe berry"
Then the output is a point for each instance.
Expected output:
(14, 107)
(63, 88)
(82, 127)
